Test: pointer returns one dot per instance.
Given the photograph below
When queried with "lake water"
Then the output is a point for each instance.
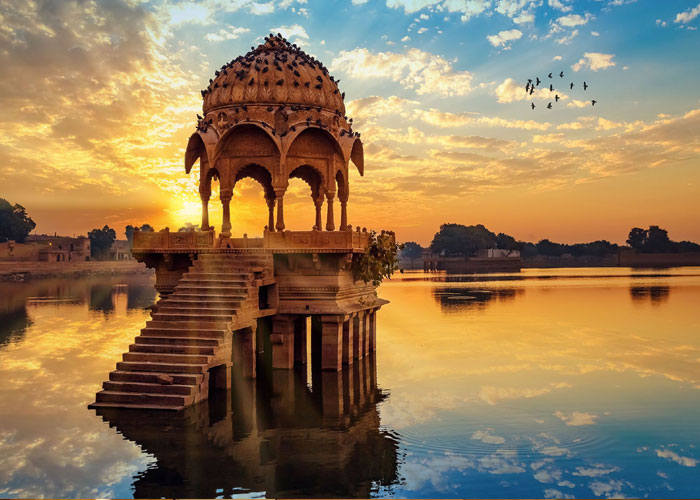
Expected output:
(544, 383)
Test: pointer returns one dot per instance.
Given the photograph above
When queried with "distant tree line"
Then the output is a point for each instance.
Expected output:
(457, 240)
(656, 240)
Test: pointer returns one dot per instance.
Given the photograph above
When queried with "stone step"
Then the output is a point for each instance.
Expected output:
(200, 311)
(212, 289)
(197, 281)
(192, 319)
(194, 273)
(188, 325)
(183, 390)
(209, 297)
(152, 377)
(97, 406)
(143, 366)
(173, 349)
(207, 302)
(155, 357)
(142, 398)
(177, 341)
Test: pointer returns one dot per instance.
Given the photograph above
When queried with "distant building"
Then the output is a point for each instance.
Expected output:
(120, 250)
(486, 260)
(45, 248)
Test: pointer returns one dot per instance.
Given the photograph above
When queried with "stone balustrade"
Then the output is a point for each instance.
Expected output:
(166, 240)
(347, 241)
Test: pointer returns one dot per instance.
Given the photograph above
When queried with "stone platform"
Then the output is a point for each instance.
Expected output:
(238, 301)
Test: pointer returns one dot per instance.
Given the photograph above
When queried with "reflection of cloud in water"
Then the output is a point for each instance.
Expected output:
(493, 395)
(654, 294)
(675, 457)
(487, 437)
(576, 418)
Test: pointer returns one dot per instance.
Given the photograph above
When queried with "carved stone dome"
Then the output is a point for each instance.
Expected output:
(276, 72)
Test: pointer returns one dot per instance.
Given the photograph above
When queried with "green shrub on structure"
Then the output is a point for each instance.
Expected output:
(379, 260)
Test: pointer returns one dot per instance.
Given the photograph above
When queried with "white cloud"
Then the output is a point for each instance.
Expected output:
(468, 8)
(510, 91)
(406, 38)
(231, 33)
(291, 31)
(559, 5)
(687, 16)
(556, 58)
(447, 120)
(595, 33)
(504, 37)
(422, 30)
(671, 455)
(566, 39)
(416, 69)
(359, 2)
(595, 61)
(661, 23)
(524, 18)
(576, 418)
(573, 20)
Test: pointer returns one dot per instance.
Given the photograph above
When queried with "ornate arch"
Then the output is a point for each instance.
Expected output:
(320, 137)
(249, 139)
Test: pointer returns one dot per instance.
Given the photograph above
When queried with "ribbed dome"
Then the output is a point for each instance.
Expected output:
(276, 72)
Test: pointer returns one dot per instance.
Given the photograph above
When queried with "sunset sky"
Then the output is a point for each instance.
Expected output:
(98, 99)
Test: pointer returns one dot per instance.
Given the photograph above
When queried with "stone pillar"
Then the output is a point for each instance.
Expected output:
(347, 341)
(244, 350)
(343, 212)
(356, 337)
(271, 214)
(365, 332)
(282, 341)
(280, 210)
(332, 342)
(221, 375)
(300, 335)
(318, 203)
(226, 224)
(373, 330)
(330, 223)
(205, 210)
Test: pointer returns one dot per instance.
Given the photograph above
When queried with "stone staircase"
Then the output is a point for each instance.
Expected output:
(167, 366)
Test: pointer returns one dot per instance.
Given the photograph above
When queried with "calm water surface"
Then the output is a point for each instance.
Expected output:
(545, 383)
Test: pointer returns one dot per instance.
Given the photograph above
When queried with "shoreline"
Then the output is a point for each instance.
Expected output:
(20, 271)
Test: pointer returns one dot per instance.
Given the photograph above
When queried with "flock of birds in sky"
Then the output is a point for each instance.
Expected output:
(530, 87)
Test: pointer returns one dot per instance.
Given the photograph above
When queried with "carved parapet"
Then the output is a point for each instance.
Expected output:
(164, 240)
(316, 240)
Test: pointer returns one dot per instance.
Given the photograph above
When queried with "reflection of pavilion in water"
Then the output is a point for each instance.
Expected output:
(461, 299)
(655, 294)
(272, 434)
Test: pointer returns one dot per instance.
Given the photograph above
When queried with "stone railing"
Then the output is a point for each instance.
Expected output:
(166, 240)
(147, 241)
(320, 240)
